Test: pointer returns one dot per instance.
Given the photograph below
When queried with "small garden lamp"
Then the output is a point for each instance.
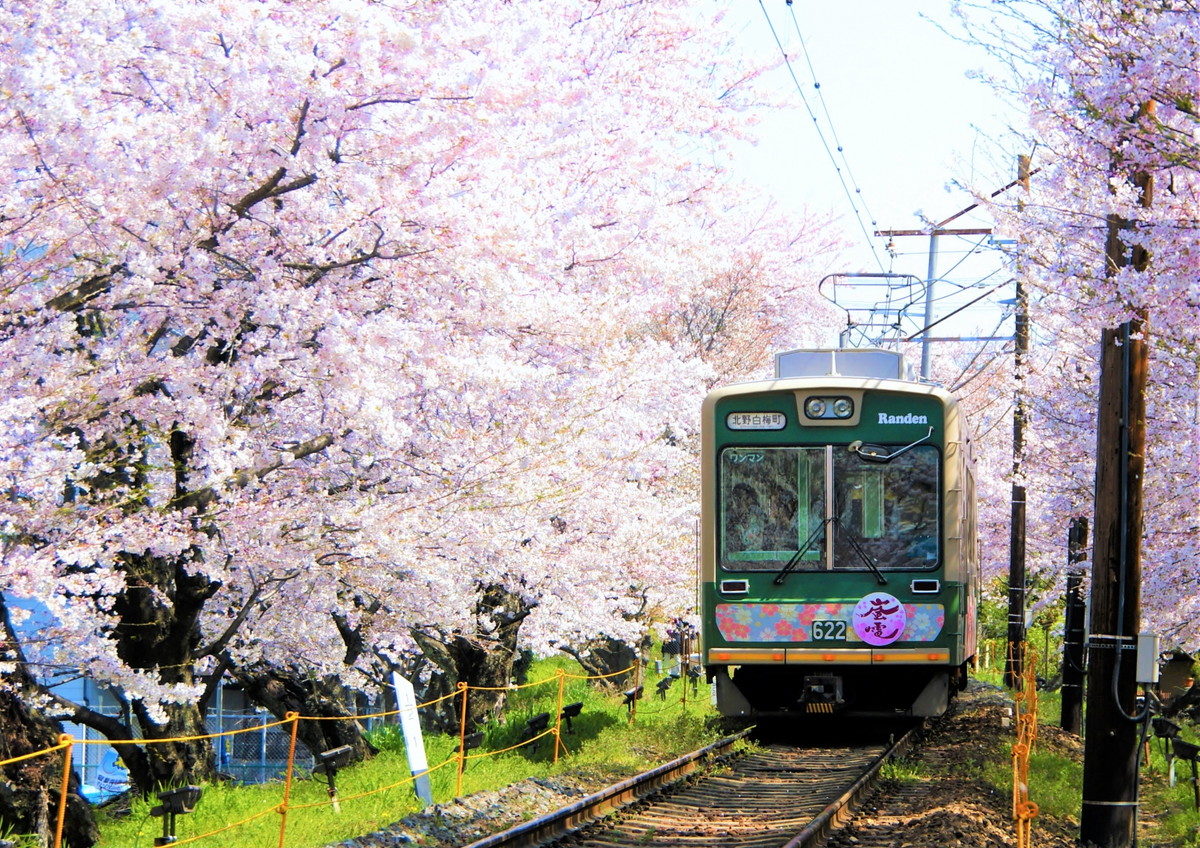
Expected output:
(174, 802)
(331, 761)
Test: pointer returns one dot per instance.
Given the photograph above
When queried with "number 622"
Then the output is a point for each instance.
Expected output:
(829, 630)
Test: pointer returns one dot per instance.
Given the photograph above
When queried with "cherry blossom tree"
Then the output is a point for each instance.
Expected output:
(1112, 89)
(334, 331)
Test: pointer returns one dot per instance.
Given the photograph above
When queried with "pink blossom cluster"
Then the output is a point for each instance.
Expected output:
(337, 311)
(1112, 90)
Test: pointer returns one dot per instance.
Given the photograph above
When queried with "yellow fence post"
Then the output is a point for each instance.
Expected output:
(462, 739)
(562, 679)
(294, 718)
(1024, 810)
(65, 740)
(685, 662)
(637, 682)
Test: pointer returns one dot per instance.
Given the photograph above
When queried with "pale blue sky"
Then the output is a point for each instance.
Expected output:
(910, 121)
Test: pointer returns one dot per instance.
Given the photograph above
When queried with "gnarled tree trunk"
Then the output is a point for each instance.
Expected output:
(483, 659)
(282, 691)
(159, 631)
(30, 790)
(606, 656)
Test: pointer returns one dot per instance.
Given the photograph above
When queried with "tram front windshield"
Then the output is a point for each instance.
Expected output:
(777, 501)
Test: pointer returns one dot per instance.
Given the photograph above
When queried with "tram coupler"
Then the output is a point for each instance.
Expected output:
(821, 693)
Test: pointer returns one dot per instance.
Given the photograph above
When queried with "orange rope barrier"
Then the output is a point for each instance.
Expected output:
(601, 676)
(359, 716)
(662, 710)
(377, 790)
(514, 686)
(34, 755)
(484, 754)
(229, 826)
(257, 728)
(460, 758)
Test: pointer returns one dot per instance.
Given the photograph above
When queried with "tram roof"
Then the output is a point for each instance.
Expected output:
(843, 362)
(866, 368)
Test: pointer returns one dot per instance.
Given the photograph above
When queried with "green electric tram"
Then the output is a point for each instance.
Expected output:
(839, 567)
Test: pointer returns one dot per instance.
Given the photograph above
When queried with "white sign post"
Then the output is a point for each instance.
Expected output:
(414, 743)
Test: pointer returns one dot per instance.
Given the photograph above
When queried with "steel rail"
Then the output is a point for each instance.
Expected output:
(596, 806)
(842, 808)
(591, 809)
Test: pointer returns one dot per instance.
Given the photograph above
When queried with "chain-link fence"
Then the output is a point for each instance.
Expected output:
(253, 757)
(247, 757)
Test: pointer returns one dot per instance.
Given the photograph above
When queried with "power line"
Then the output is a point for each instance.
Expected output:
(829, 117)
(842, 174)
(943, 277)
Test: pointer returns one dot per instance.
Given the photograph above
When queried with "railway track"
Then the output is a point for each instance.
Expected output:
(778, 796)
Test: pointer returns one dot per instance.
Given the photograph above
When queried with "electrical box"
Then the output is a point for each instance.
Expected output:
(1147, 658)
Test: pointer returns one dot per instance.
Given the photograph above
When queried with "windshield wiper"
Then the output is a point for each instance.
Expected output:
(879, 453)
(796, 557)
(870, 563)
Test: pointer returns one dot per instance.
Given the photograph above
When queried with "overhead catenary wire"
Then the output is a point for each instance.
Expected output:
(842, 173)
(812, 71)
(820, 113)
(962, 379)
(966, 254)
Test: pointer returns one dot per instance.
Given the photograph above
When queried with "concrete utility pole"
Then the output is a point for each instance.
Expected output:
(930, 277)
(933, 232)
(1110, 754)
(1016, 568)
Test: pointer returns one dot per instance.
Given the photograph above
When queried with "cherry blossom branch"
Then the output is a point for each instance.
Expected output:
(201, 499)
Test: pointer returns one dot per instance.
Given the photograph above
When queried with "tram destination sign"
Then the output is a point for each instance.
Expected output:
(756, 421)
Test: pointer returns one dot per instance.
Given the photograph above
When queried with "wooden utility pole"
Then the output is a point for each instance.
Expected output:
(1110, 755)
(1014, 666)
(1109, 816)
(1074, 628)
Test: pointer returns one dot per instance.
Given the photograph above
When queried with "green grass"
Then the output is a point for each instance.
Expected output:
(1176, 821)
(902, 770)
(1168, 817)
(603, 747)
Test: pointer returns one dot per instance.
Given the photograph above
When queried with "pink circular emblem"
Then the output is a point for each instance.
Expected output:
(879, 619)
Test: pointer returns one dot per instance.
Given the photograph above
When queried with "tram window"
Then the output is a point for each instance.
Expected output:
(772, 502)
(890, 511)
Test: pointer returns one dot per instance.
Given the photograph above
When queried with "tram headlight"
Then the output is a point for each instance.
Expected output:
(829, 408)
